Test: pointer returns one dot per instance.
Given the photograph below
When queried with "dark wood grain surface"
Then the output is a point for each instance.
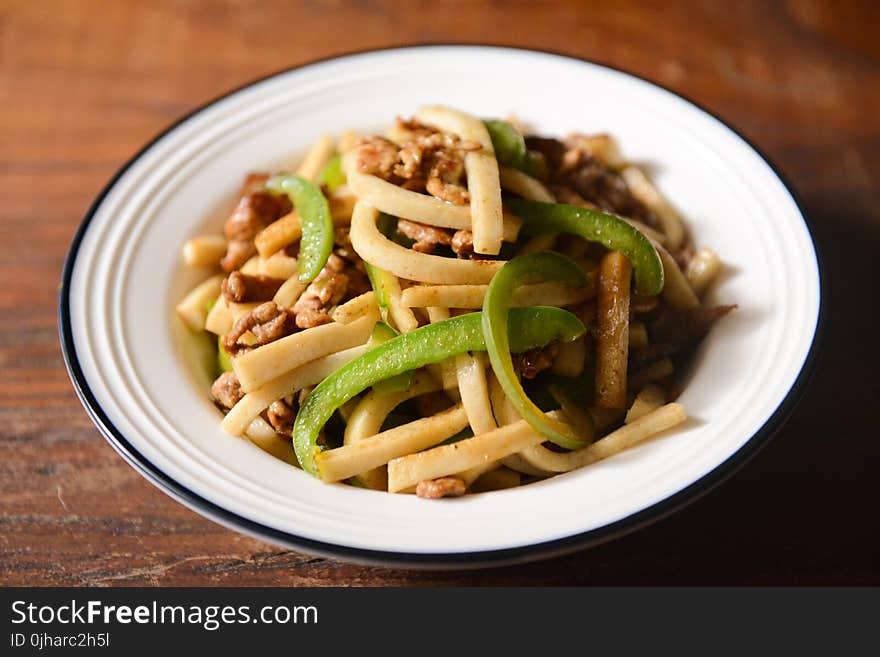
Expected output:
(84, 84)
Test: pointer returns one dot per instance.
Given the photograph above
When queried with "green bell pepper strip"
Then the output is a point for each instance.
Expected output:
(379, 280)
(529, 328)
(317, 222)
(532, 268)
(608, 230)
(382, 333)
(224, 361)
(332, 176)
(387, 225)
(509, 145)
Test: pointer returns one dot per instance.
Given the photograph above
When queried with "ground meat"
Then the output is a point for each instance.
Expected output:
(576, 177)
(433, 489)
(550, 150)
(684, 326)
(531, 363)
(253, 183)
(358, 281)
(672, 332)
(424, 160)
(423, 140)
(447, 191)
(539, 168)
(642, 356)
(407, 130)
(377, 156)
(343, 247)
(463, 244)
(426, 237)
(598, 184)
(445, 176)
(255, 211)
(244, 288)
(227, 390)
(267, 323)
(327, 290)
(281, 417)
(565, 194)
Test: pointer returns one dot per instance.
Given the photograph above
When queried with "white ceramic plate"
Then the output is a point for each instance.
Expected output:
(123, 278)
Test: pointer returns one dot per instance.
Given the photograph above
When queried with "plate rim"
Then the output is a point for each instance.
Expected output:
(449, 560)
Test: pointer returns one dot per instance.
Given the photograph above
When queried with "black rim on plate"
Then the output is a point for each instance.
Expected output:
(422, 560)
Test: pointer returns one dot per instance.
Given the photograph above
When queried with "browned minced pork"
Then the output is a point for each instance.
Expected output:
(267, 322)
(549, 150)
(576, 177)
(445, 178)
(327, 290)
(426, 237)
(227, 390)
(245, 288)
(568, 196)
(377, 156)
(685, 326)
(253, 183)
(433, 489)
(674, 331)
(342, 245)
(426, 161)
(463, 245)
(256, 209)
(534, 361)
(408, 130)
(358, 282)
(281, 417)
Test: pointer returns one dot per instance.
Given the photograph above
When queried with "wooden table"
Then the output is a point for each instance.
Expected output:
(84, 84)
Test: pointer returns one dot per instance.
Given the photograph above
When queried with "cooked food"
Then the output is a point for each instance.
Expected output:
(454, 306)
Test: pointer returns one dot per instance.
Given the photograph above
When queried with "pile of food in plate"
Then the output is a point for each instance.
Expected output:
(454, 306)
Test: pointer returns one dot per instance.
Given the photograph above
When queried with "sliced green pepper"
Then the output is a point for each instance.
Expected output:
(317, 222)
(528, 327)
(387, 225)
(332, 176)
(382, 333)
(380, 280)
(224, 361)
(509, 145)
(608, 230)
(532, 268)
